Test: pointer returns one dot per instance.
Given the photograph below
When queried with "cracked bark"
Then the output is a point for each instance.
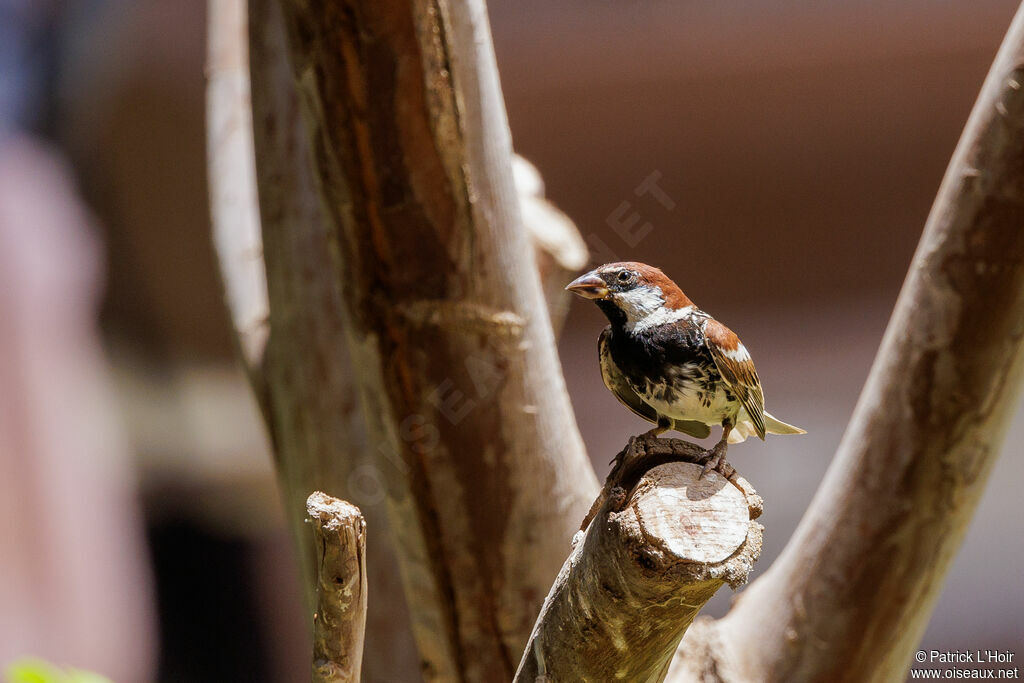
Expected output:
(285, 306)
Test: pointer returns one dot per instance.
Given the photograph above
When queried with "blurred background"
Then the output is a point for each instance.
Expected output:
(796, 148)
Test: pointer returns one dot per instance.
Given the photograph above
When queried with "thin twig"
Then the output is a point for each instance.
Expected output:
(339, 623)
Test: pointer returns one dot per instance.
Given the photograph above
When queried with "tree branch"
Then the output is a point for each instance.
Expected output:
(301, 373)
(662, 542)
(233, 204)
(856, 584)
(339, 533)
(75, 585)
(459, 381)
(457, 371)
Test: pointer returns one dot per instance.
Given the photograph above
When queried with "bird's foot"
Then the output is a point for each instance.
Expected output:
(715, 460)
(663, 425)
(651, 434)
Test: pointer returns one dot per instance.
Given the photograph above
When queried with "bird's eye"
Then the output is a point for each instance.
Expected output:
(625, 276)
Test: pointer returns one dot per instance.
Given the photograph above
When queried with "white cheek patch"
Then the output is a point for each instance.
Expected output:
(639, 303)
(739, 354)
(659, 316)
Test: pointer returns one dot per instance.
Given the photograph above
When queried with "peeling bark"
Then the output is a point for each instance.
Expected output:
(339, 535)
(850, 597)
(661, 544)
(301, 374)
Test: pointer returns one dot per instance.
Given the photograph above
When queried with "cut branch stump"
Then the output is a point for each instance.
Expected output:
(658, 544)
(339, 623)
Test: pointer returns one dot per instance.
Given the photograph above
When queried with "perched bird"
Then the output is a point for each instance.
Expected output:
(673, 364)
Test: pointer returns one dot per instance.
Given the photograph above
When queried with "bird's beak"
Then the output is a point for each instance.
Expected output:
(589, 286)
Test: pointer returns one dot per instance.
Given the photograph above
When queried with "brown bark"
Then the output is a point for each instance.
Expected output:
(275, 259)
(302, 374)
(339, 623)
(453, 353)
(662, 542)
(850, 597)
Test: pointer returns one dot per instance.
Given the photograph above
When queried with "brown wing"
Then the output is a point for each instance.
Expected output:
(617, 384)
(737, 369)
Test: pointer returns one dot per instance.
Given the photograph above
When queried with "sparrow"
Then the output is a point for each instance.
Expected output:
(673, 364)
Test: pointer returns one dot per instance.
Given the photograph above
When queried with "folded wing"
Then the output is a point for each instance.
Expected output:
(737, 370)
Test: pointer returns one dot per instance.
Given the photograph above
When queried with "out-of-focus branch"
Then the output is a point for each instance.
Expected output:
(339, 535)
(850, 596)
(660, 545)
(74, 585)
(233, 203)
(557, 243)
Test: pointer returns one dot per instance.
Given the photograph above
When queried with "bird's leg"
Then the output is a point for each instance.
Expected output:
(663, 426)
(716, 454)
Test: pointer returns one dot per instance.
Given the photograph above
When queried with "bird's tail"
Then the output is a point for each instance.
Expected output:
(773, 425)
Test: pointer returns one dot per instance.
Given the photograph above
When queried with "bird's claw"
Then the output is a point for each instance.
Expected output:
(715, 460)
(711, 463)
